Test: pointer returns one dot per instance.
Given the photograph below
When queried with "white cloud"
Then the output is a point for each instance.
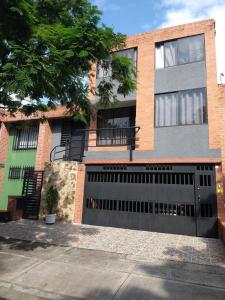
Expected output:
(147, 26)
(185, 11)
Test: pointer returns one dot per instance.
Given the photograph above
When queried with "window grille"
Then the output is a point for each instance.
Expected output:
(26, 138)
(14, 173)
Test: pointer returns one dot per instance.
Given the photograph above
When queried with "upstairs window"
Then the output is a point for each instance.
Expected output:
(114, 126)
(26, 138)
(103, 68)
(180, 51)
(181, 108)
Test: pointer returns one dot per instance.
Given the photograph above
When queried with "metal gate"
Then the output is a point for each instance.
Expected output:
(32, 186)
(178, 199)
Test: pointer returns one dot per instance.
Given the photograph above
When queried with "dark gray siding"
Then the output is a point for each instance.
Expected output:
(56, 136)
(182, 77)
(170, 142)
(130, 97)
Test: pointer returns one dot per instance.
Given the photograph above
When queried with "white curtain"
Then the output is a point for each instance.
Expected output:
(192, 107)
(159, 56)
(191, 49)
(166, 110)
(27, 138)
(170, 53)
(196, 48)
(181, 108)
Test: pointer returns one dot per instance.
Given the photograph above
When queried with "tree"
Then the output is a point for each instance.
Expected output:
(47, 48)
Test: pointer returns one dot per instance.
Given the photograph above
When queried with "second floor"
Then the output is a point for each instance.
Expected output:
(175, 111)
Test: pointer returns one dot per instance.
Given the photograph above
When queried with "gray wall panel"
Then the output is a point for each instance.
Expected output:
(177, 78)
(56, 133)
(56, 137)
(131, 96)
(170, 142)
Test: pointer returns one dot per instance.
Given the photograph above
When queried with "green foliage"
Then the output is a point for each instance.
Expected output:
(47, 47)
(52, 198)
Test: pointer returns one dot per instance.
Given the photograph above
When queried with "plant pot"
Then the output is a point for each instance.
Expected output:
(50, 219)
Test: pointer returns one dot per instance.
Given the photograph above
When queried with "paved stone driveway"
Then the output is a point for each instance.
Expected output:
(135, 244)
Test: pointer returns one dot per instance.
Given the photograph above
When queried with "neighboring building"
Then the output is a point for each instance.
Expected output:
(156, 161)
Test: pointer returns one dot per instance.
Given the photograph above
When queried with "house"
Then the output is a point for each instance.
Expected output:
(156, 160)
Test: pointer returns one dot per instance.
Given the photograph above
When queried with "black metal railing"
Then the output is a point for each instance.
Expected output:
(102, 137)
(115, 136)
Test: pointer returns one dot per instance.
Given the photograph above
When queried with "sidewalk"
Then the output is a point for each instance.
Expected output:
(42, 271)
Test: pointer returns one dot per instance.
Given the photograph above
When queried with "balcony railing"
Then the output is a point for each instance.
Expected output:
(101, 137)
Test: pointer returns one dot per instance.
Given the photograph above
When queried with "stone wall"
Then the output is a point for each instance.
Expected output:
(63, 176)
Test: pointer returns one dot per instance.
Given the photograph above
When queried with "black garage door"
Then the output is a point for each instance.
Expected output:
(177, 199)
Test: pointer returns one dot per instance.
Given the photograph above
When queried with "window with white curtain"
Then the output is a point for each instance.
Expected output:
(180, 51)
(159, 56)
(181, 108)
(170, 54)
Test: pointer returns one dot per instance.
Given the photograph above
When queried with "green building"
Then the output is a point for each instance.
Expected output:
(21, 156)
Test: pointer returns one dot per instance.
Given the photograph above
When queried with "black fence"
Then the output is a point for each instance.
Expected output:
(102, 137)
(32, 186)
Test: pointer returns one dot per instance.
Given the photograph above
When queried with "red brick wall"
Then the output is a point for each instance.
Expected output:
(4, 138)
(79, 196)
(44, 145)
(222, 230)
(145, 79)
(221, 171)
(59, 112)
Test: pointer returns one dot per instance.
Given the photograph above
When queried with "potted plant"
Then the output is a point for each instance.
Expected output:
(52, 197)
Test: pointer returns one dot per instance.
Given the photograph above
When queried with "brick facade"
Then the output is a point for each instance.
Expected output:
(44, 145)
(4, 138)
(145, 112)
(221, 171)
(79, 196)
(145, 95)
(145, 80)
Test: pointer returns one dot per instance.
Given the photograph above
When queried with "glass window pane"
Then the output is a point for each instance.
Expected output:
(166, 110)
(170, 50)
(183, 51)
(192, 107)
(130, 53)
(159, 56)
(181, 108)
(26, 138)
(196, 48)
(191, 49)
(160, 110)
(103, 69)
(115, 119)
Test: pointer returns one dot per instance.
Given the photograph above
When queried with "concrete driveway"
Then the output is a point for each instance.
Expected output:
(136, 244)
(32, 270)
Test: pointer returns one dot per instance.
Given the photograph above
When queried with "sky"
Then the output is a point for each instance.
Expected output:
(136, 16)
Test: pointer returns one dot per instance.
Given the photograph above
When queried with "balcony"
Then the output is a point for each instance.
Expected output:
(101, 137)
